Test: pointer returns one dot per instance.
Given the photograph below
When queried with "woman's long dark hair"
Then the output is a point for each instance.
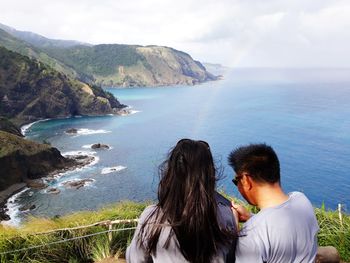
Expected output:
(186, 201)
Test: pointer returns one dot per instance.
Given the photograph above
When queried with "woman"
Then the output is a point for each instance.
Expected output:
(190, 222)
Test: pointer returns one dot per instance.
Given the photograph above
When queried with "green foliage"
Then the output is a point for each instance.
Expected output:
(100, 60)
(14, 44)
(10, 143)
(80, 250)
(31, 90)
(101, 249)
(7, 126)
(334, 232)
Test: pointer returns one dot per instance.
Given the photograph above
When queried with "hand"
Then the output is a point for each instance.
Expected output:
(243, 213)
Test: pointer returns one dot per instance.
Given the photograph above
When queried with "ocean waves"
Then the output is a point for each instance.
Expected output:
(113, 169)
(85, 131)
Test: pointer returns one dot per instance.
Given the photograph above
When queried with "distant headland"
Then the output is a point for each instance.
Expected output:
(112, 65)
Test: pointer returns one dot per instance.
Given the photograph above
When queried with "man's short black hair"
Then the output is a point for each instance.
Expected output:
(258, 160)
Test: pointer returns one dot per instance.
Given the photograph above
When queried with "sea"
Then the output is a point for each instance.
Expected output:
(304, 114)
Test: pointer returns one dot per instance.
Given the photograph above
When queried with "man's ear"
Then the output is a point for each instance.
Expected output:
(247, 181)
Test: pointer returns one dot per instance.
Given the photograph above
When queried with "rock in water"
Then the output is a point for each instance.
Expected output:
(53, 191)
(99, 146)
(72, 131)
(36, 184)
(27, 207)
(77, 183)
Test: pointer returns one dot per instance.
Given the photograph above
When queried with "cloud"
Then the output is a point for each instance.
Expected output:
(273, 33)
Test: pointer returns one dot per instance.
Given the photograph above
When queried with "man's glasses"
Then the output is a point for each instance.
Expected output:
(236, 180)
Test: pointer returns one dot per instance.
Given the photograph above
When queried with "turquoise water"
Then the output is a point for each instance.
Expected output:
(303, 114)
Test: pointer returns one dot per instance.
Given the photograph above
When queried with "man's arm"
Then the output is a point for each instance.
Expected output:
(247, 249)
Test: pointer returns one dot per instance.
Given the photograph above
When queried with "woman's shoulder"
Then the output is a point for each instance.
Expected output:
(147, 212)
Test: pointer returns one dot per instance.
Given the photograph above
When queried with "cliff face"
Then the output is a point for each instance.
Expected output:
(163, 66)
(22, 159)
(30, 90)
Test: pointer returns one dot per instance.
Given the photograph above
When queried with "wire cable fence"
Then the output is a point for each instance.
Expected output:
(107, 223)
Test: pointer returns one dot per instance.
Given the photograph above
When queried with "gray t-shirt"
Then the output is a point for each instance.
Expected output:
(137, 253)
(284, 233)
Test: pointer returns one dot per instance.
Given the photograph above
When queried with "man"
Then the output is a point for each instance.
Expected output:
(285, 229)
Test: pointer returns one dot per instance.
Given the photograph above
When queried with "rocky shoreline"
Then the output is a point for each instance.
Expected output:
(76, 161)
(5, 195)
(51, 167)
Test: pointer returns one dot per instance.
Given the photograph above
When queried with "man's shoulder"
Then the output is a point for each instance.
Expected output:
(297, 195)
(273, 229)
(276, 215)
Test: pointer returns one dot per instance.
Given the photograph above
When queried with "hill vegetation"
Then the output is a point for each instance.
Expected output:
(30, 90)
(14, 44)
(95, 61)
(108, 65)
(7, 126)
(126, 65)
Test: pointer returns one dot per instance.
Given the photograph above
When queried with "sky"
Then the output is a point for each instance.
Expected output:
(235, 33)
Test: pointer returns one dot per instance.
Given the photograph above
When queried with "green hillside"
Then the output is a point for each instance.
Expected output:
(108, 65)
(102, 60)
(26, 49)
(127, 65)
(7, 126)
(30, 90)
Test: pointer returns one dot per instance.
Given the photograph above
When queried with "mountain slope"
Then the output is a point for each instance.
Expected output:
(7, 126)
(30, 90)
(109, 65)
(14, 44)
(127, 65)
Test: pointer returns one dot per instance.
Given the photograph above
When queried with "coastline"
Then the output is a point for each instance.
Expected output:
(126, 110)
(8, 192)
(25, 127)
(14, 189)
(5, 195)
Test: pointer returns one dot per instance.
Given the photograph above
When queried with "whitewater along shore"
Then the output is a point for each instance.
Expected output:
(7, 193)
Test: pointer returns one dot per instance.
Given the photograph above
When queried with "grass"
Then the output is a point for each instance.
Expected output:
(10, 143)
(333, 232)
(89, 249)
(96, 248)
